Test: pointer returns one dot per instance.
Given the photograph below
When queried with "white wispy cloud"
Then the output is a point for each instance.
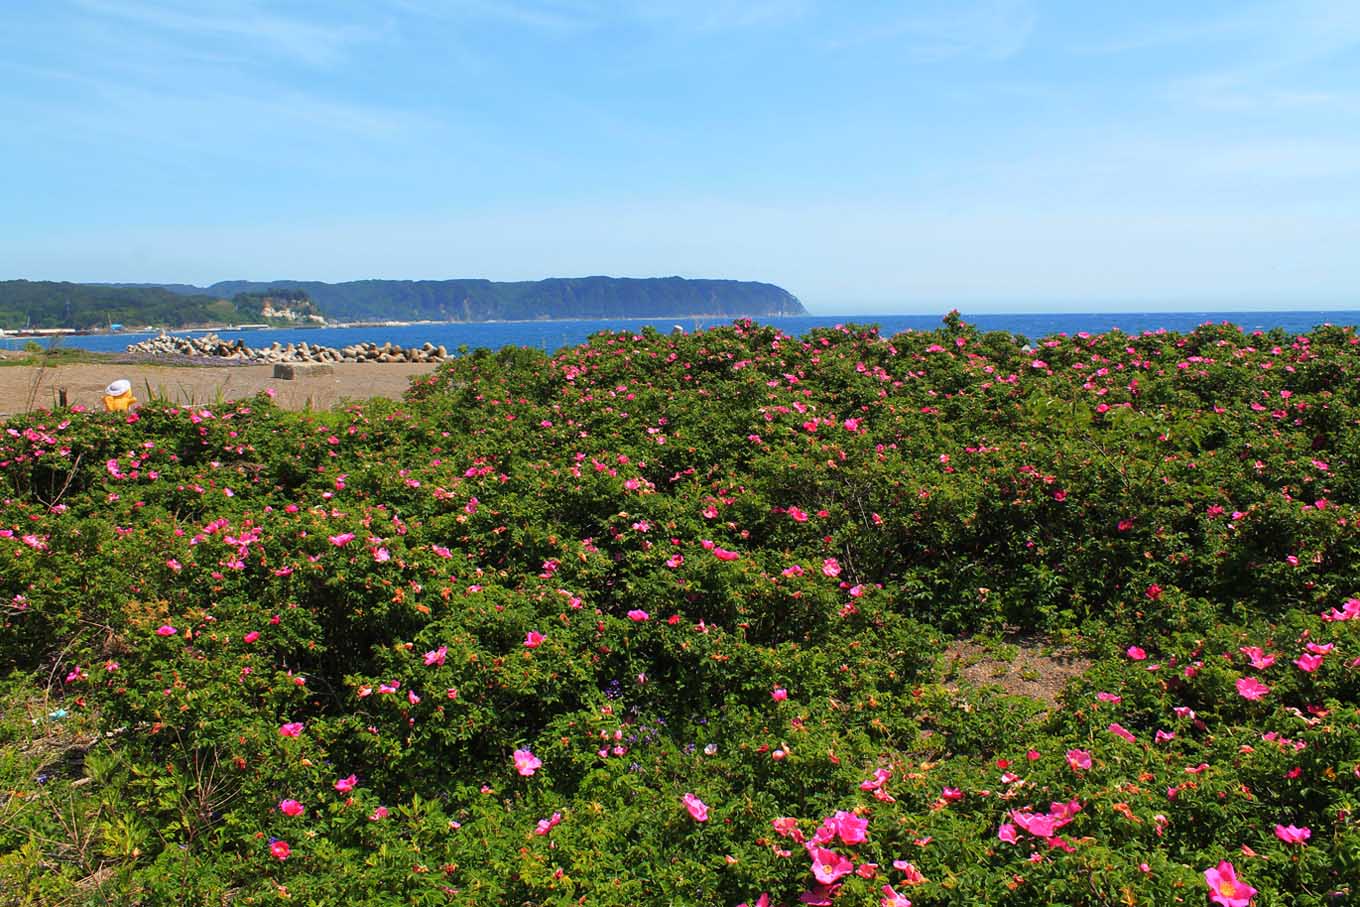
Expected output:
(989, 29)
(720, 15)
(1286, 159)
(250, 27)
(546, 15)
(1262, 57)
(576, 15)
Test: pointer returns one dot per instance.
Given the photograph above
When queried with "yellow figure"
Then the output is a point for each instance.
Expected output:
(118, 396)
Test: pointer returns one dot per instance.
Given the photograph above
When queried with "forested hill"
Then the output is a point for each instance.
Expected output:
(49, 304)
(557, 297)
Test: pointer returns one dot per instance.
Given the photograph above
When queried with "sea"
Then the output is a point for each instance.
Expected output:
(553, 335)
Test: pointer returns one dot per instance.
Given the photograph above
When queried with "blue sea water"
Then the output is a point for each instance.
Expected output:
(552, 335)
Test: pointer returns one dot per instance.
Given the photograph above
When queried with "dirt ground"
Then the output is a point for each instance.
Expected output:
(24, 387)
(1022, 667)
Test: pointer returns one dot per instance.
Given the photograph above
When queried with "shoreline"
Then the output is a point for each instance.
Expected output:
(51, 333)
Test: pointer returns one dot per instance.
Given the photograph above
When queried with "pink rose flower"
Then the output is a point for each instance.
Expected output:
(828, 866)
(697, 808)
(1225, 888)
(526, 763)
(1289, 834)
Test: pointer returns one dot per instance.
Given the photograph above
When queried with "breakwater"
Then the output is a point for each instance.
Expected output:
(211, 346)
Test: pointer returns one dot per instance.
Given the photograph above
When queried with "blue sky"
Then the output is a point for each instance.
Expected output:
(1002, 155)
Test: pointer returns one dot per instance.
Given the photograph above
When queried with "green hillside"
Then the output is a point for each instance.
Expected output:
(558, 297)
(47, 304)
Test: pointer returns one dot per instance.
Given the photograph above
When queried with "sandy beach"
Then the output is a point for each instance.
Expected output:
(25, 387)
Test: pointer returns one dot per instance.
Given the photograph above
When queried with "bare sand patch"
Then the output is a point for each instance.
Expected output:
(1022, 666)
(25, 387)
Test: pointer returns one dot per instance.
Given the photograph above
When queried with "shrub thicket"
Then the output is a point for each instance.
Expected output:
(658, 619)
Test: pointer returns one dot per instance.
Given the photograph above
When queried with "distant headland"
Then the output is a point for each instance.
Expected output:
(35, 305)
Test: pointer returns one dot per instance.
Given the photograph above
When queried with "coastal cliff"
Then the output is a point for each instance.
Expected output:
(553, 298)
(45, 304)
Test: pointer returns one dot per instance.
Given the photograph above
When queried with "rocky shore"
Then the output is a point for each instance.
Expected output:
(210, 346)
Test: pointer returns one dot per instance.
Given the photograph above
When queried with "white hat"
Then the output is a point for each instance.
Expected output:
(118, 388)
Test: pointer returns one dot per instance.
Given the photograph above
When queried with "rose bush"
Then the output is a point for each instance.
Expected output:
(661, 619)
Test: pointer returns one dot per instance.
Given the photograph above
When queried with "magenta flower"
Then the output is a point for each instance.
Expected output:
(1079, 760)
(251, 636)
(1290, 834)
(638, 616)
(526, 763)
(831, 567)
(1041, 825)
(779, 694)
(1349, 611)
(1135, 653)
(849, 827)
(345, 785)
(828, 866)
(533, 639)
(291, 808)
(291, 729)
(787, 827)
(342, 539)
(1120, 731)
(1007, 833)
(723, 554)
(697, 808)
(892, 898)
(279, 850)
(1251, 688)
(166, 630)
(436, 656)
(1308, 663)
(1225, 888)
